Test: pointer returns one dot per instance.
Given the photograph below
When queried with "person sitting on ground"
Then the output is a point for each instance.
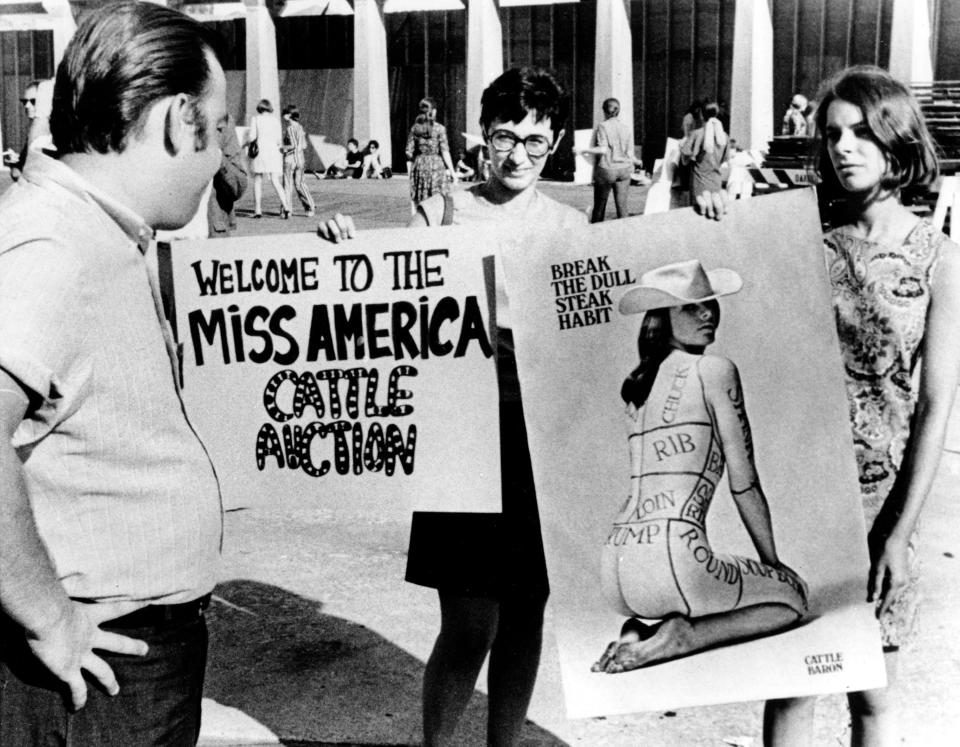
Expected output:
(371, 167)
(354, 160)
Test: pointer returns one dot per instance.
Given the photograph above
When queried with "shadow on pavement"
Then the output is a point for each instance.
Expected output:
(315, 679)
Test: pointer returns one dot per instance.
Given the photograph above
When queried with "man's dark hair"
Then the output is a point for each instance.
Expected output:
(373, 144)
(522, 90)
(354, 141)
(122, 58)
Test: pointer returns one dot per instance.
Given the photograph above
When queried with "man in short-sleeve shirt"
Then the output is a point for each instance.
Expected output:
(110, 511)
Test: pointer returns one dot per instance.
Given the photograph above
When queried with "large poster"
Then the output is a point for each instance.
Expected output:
(359, 376)
(695, 474)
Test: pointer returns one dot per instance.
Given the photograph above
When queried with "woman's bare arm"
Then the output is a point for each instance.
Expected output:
(939, 378)
(724, 393)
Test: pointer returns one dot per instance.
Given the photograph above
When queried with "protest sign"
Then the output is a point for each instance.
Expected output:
(749, 416)
(359, 377)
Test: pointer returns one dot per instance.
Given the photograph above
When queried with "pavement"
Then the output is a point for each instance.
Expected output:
(316, 640)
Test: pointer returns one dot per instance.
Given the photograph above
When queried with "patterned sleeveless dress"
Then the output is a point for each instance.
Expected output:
(426, 144)
(880, 299)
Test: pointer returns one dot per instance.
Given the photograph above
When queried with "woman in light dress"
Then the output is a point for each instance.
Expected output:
(266, 131)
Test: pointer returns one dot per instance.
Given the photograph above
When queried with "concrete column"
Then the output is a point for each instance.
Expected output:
(64, 26)
(751, 97)
(613, 74)
(484, 56)
(263, 78)
(371, 93)
(910, 59)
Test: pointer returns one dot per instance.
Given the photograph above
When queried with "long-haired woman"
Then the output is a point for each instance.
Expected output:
(896, 298)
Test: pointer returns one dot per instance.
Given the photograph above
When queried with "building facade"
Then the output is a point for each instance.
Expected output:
(359, 67)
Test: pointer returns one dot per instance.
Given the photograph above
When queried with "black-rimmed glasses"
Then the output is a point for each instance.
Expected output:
(28, 101)
(504, 141)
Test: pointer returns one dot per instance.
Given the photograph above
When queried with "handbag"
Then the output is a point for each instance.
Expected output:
(253, 149)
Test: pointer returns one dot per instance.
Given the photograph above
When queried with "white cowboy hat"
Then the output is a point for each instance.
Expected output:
(678, 284)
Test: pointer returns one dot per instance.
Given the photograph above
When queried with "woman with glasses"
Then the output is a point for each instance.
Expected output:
(488, 569)
(428, 153)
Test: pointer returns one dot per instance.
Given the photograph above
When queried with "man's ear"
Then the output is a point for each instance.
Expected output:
(179, 124)
(556, 143)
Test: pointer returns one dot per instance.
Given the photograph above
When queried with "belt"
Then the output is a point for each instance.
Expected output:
(157, 615)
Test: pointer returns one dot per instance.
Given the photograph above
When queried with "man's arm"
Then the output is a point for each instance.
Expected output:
(61, 633)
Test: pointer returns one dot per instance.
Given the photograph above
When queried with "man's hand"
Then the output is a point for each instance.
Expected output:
(67, 647)
(337, 229)
(712, 204)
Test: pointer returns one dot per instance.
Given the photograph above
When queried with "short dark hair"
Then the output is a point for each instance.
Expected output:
(373, 144)
(122, 58)
(611, 107)
(264, 105)
(293, 111)
(893, 118)
(354, 141)
(522, 90)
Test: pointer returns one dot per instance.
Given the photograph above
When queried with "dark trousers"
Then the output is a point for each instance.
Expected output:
(603, 181)
(158, 703)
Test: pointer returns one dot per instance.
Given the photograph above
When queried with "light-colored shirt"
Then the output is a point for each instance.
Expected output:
(542, 213)
(617, 138)
(122, 490)
(470, 206)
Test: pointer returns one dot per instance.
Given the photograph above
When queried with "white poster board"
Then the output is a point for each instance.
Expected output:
(575, 349)
(360, 376)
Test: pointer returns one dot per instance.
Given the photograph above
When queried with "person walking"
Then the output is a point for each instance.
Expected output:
(294, 162)
(109, 506)
(706, 150)
(428, 156)
(613, 143)
(266, 132)
(229, 183)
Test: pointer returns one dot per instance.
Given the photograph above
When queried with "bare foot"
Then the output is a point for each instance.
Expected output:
(633, 630)
(672, 638)
(606, 658)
